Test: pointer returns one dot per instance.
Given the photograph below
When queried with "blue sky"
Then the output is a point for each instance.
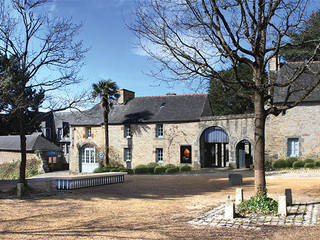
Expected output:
(113, 52)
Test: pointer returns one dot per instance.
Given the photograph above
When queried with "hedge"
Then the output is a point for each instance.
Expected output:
(185, 168)
(152, 166)
(159, 170)
(298, 164)
(170, 166)
(172, 170)
(290, 161)
(308, 160)
(141, 169)
(317, 163)
(309, 165)
(280, 163)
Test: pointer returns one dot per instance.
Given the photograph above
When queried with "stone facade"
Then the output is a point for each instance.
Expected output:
(144, 142)
(302, 123)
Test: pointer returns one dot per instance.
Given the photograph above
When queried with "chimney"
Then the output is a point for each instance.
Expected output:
(274, 63)
(125, 96)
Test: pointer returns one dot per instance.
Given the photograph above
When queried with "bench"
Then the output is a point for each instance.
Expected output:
(88, 180)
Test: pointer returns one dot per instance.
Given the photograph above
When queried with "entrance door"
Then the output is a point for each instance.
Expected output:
(88, 159)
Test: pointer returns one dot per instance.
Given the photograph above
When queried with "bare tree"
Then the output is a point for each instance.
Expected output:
(47, 57)
(196, 39)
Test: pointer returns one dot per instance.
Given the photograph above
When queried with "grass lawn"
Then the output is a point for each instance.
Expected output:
(145, 207)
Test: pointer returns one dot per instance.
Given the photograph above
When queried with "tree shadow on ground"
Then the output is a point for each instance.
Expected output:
(154, 187)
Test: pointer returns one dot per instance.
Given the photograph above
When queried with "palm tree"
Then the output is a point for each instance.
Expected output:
(107, 90)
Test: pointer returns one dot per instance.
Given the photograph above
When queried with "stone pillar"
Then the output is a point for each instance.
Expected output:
(239, 196)
(229, 209)
(288, 194)
(20, 190)
(282, 206)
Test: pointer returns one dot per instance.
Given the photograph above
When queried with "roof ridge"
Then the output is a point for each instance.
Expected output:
(178, 95)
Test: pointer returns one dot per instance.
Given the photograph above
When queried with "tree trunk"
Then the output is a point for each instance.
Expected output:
(106, 129)
(23, 150)
(259, 149)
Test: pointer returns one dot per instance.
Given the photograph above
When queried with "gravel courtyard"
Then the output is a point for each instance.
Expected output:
(147, 207)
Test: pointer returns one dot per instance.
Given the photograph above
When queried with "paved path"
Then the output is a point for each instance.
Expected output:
(299, 214)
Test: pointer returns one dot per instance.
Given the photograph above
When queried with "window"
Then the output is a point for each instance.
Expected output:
(47, 132)
(52, 159)
(59, 133)
(67, 148)
(66, 129)
(88, 155)
(127, 154)
(293, 147)
(185, 154)
(159, 154)
(159, 130)
(88, 132)
(127, 131)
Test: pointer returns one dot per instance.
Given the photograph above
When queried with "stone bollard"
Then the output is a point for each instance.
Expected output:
(229, 209)
(235, 179)
(239, 196)
(282, 206)
(20, 190)
(288, 194)
(50, 187)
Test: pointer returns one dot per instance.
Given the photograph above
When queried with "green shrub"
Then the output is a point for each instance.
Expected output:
(115, 170)
(268, 165)
(298, 164)
(98, 170)
(170, 166)
(141, 169)
(172, 170)
(317, 163)
(259, 205)
(129, 171)
(106, 169)
(151, 166)
(290, 161)
(159, 170)
(280, 163)
(185, 168)
(308, 160)
(309, 165)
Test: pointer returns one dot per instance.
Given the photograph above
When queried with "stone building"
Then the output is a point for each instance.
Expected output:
(37, 148)
(181, 129)
(177, 129)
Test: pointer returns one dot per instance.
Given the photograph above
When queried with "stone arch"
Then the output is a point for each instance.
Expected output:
(243, 153)
(87, 157)
(214, 141)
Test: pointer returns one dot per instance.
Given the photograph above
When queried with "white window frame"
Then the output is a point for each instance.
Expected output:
(88, 132)
(159, 155)
(88, 155)
(159, 130)
(59, 133)
(127, 131)
(127, 154)
(293, 147)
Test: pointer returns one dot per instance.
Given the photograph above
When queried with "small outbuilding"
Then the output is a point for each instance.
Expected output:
(37, 148)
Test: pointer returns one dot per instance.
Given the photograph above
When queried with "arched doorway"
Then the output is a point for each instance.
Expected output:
(88, 159)
(243, 151)
(214, 148)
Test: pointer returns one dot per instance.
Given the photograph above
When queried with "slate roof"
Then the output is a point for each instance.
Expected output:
(304, 81)
(34, 142)
(169, 108)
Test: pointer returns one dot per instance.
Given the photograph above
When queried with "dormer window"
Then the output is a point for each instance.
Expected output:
(127, 131)
(159, 130)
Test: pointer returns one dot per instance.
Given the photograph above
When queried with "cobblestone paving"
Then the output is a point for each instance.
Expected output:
(299, 214)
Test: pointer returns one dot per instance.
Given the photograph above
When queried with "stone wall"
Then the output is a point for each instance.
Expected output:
(301, 122)
(238, 127)
(11, 156)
